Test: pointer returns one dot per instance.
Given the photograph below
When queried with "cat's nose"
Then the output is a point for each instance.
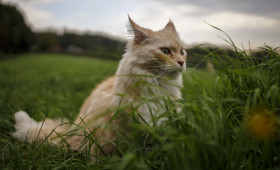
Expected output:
(180, 63)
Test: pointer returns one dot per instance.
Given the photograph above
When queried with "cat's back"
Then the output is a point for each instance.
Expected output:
(107, 85)
(101, 98)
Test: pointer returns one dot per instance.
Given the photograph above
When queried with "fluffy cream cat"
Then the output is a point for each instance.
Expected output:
(149, 72)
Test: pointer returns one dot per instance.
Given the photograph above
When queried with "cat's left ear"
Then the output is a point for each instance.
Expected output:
(140, 33)
(170, 27)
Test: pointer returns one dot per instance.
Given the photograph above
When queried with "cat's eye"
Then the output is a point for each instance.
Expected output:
(166, 50)
(182, 51)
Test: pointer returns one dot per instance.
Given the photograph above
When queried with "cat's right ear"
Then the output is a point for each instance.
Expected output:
(140, 33)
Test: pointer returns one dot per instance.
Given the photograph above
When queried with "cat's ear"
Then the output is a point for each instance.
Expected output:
(140, 33)
(170, 27)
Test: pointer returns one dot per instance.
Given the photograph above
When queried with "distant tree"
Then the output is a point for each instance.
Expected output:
(195, 57)
(200, 56)
(15, 35)
(92, 45)
(46, 41)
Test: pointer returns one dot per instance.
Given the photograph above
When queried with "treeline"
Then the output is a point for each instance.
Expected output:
(86, 44)
(17, 37)
(219, 58)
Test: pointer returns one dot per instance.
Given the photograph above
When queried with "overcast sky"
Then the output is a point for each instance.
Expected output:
(257, 21)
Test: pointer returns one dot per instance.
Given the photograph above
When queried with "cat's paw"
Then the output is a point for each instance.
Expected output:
(22, 117)
(23, 123)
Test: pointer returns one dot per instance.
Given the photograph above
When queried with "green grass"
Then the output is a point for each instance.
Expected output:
(53, 84)
(211, 131)
(44, 85)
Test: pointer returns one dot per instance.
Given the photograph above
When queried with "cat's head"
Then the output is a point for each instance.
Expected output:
(158, 52)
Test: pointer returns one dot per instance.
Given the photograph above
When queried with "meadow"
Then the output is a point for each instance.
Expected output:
(230, 118)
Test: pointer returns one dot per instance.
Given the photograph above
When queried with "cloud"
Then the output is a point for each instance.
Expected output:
(267, 8)
(190, 17)
(36, 16)
(232, 20)
(256, 20)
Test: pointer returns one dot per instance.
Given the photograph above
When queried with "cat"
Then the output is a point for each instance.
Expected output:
(150, 70)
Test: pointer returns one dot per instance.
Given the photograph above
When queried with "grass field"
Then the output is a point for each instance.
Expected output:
(230, 119)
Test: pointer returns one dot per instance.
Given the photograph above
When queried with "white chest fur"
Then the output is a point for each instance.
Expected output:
(144, 91)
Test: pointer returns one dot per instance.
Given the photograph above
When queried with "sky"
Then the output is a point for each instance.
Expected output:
(254, 21)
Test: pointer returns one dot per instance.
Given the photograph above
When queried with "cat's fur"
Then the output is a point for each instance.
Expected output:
(149, 71)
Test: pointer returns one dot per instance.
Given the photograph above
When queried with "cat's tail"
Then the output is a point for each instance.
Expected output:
(27, 129)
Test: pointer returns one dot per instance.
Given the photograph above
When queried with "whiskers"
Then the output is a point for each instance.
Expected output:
(163, 71)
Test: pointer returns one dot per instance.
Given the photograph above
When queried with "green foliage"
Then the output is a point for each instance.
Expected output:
(196, 55)
(85, 44)
(93, 45)
(15, 35)
(46, 41)
(210, 132)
